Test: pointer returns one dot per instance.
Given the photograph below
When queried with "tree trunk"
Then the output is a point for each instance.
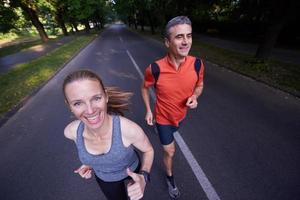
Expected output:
(129, 21)
(98, 25)
(135, 21)
(36, 22)
(74, 24)
(265, 48)
(87, 26)
(151, 22)
(60, 21)
(142, 20)
(281, 13)
(135, 25)
(142, 26)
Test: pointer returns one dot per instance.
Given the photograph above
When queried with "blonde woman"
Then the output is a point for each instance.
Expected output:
(105, 140)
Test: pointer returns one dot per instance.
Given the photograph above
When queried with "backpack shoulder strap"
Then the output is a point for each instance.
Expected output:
(155, 72)
(197, 66)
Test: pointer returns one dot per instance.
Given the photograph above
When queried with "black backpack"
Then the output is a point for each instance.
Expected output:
(156, 71)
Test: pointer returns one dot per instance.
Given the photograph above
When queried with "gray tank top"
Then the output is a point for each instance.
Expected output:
(110, 166)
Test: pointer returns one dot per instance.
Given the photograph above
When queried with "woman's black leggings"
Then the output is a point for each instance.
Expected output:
(115, 190)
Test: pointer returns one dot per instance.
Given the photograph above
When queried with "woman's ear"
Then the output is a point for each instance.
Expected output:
(106, 96)
(68, 105)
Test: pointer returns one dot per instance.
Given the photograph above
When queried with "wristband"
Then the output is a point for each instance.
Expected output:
(146, 175)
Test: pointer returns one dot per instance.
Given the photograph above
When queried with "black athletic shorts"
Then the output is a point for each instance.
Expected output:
(166, 133)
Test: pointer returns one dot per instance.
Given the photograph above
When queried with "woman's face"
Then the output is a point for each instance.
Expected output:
(87, 101)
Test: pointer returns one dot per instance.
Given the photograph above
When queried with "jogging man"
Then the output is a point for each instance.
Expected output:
(178, 82)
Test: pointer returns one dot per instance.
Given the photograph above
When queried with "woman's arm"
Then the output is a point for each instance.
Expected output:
(70, 132)
(133, 134)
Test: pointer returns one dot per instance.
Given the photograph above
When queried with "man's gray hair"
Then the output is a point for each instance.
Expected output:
(175, 21)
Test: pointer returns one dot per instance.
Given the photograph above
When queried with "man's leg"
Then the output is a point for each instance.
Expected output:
(167, 140)
(169, 151)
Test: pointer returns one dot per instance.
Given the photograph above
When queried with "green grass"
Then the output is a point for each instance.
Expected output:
(23, 80)
(277, 74)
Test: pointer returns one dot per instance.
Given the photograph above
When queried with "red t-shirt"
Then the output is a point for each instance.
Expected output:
(173, 88)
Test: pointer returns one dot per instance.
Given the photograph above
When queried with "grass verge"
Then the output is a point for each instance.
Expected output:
(281, 75)
(23, 80)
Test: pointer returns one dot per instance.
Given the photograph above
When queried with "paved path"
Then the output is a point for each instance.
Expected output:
(10, 61)
(5, 43)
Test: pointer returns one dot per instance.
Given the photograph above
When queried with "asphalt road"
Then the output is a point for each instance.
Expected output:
(244, 135)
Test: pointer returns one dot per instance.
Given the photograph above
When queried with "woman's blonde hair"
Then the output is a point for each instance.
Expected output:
(118, 100)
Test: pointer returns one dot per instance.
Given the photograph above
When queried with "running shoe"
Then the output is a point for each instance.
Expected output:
(173, 189)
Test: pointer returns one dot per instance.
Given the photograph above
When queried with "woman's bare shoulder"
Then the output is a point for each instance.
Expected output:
(129, 128)
(70, 131)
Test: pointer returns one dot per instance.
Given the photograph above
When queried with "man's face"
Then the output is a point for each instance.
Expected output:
(180, 40)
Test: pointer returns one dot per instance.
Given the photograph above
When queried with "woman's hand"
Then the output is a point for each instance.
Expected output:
(136, 187)
(84, 171)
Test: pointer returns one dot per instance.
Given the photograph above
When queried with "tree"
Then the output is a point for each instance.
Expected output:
(84, 12)
(30, 10)
(280, 12)
(126, 11)
(8, 17)
(59, 11)
(59, 16)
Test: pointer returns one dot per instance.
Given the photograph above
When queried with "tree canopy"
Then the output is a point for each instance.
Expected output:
(263, 21)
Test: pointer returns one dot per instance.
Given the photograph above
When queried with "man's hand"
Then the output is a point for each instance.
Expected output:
(149, 118)
(84, 171)
(192, 102)
(136, 187)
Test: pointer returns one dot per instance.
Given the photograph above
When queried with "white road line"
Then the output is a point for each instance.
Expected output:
(121, 39)
(135, 65)
(140, 72)
(200, 175)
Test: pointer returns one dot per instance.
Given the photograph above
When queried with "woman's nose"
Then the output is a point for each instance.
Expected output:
(89, 108)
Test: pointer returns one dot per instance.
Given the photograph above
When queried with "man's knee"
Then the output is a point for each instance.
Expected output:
(169, 150)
